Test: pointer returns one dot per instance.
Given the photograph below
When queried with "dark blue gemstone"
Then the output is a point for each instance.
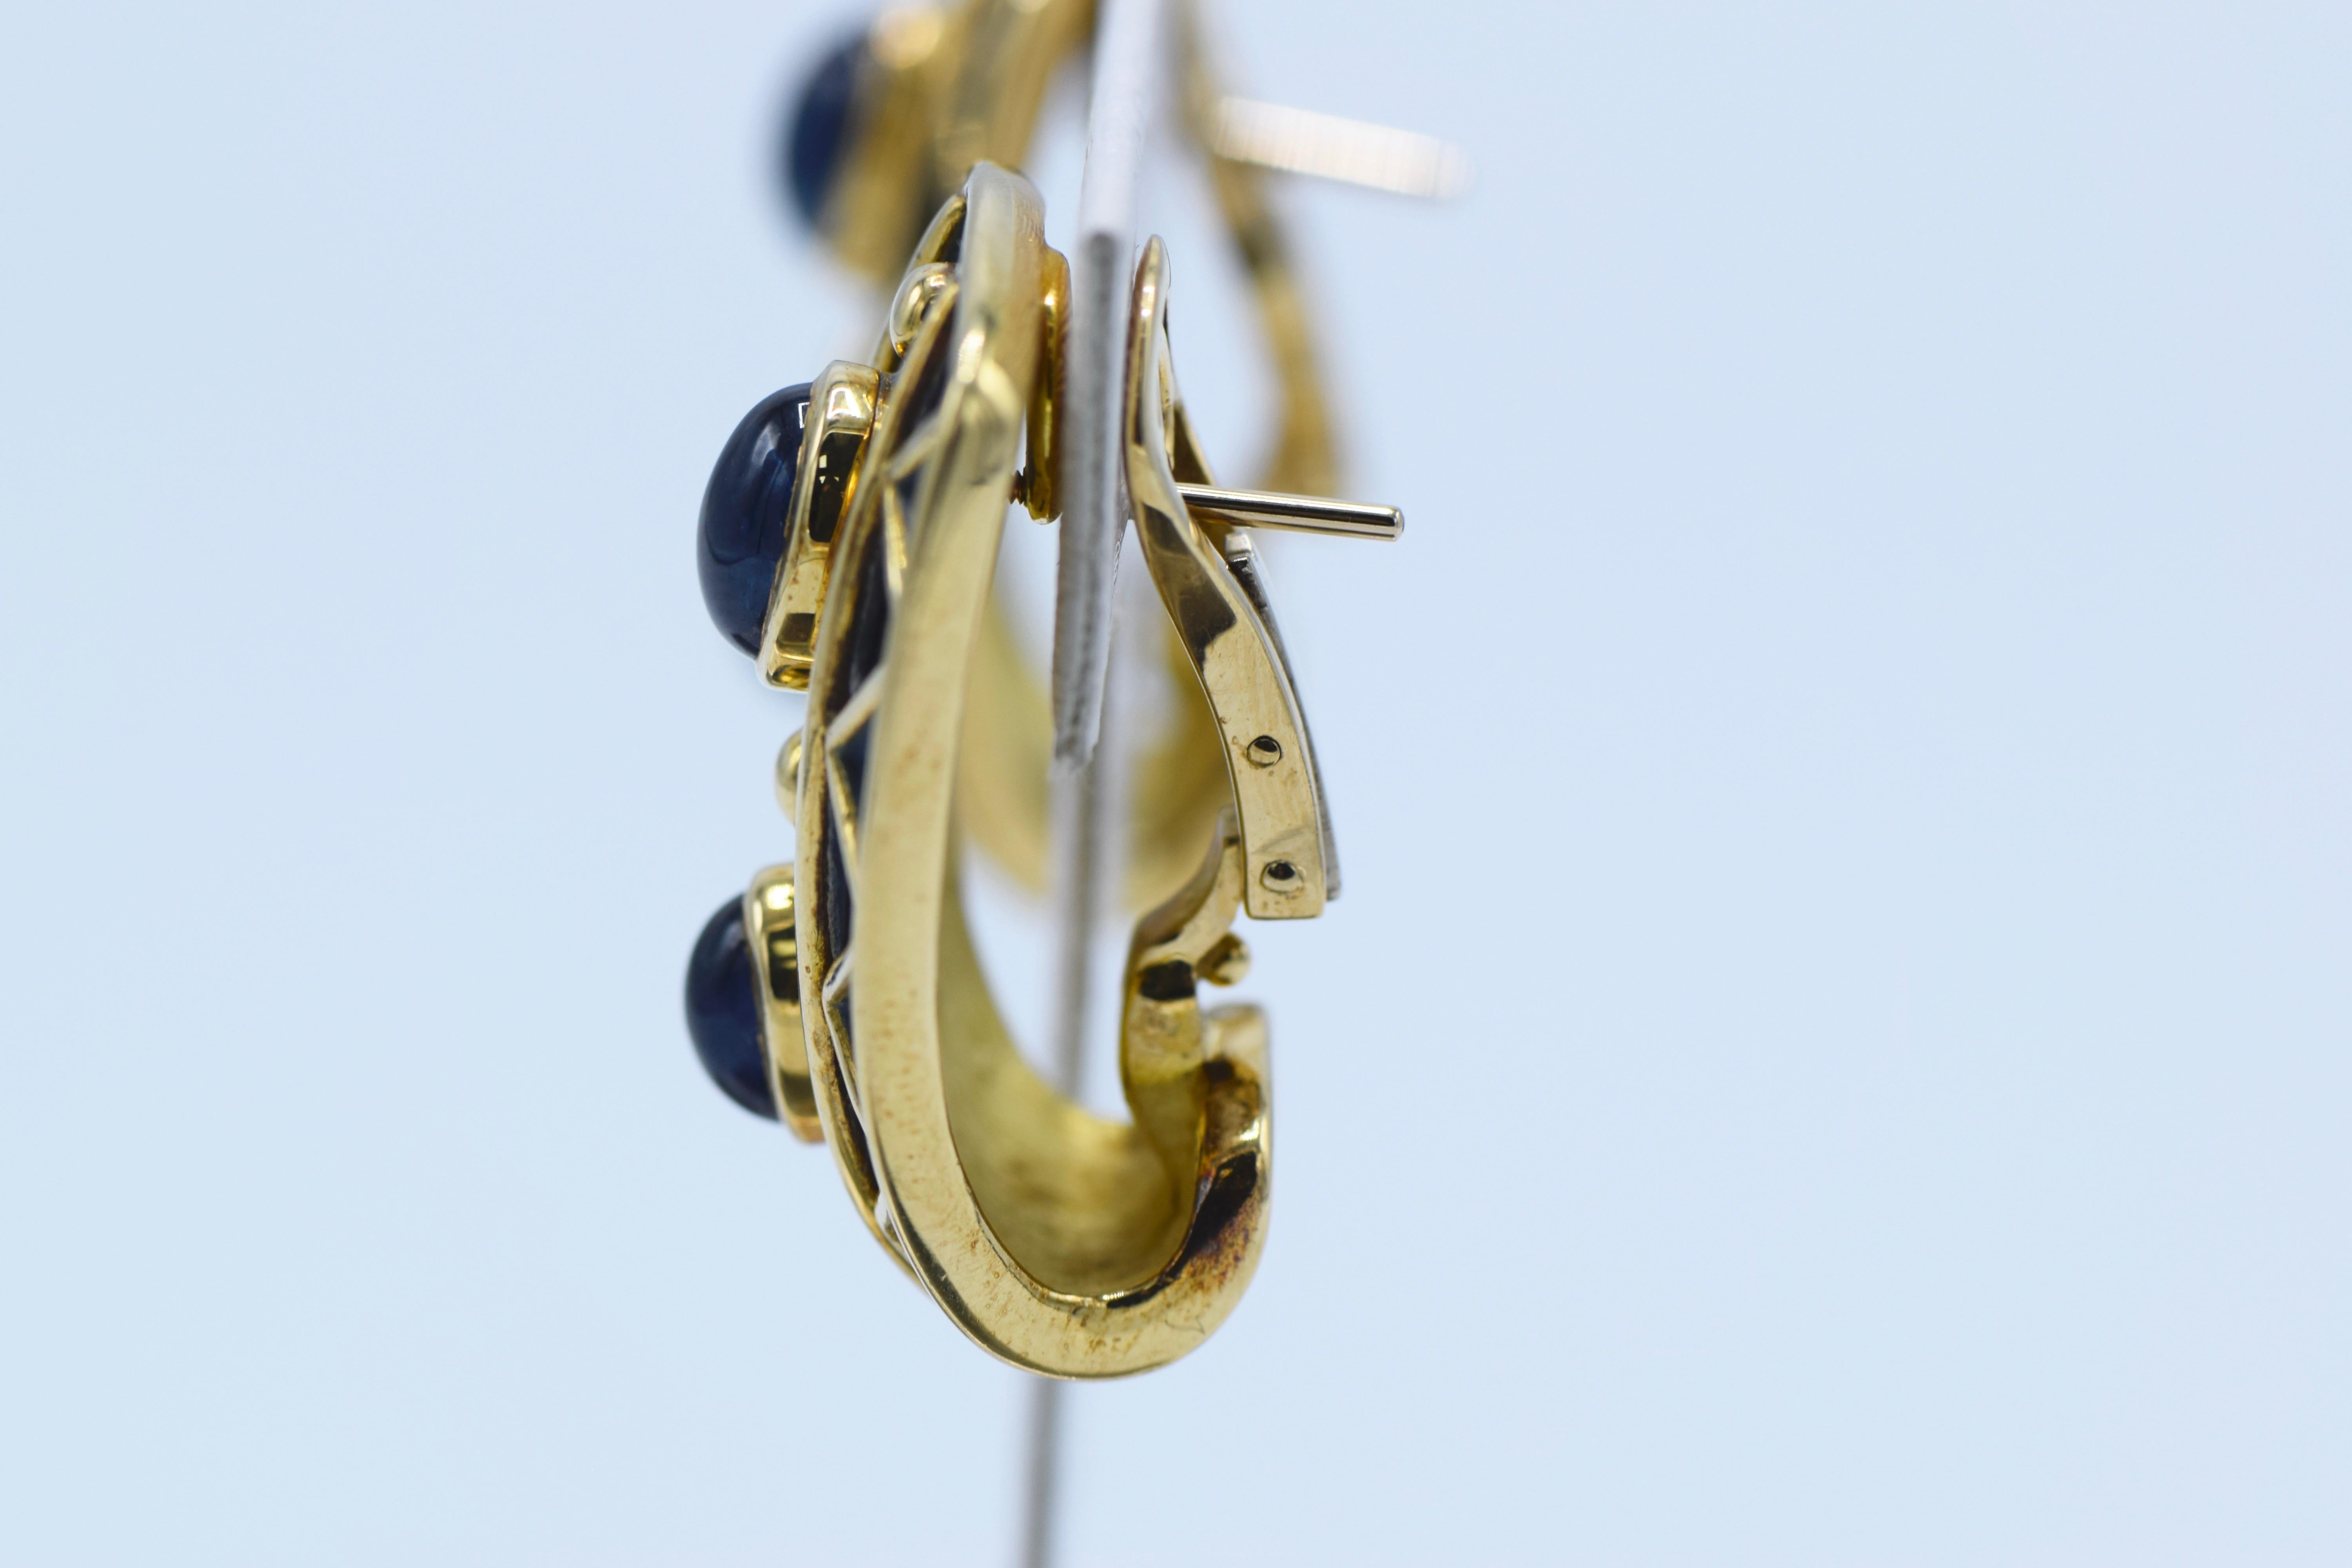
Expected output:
(722, 1011)
(819, 132)
(745, 509)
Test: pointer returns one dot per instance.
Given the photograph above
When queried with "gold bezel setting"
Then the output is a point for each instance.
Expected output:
(840, 418)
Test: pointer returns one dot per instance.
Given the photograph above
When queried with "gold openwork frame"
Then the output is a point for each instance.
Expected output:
(1060, 1241)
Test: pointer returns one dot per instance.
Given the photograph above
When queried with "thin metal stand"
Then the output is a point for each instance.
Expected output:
(1086, 853)
(1129, 58)
(1045, 1473)
(1089, 851)
(1088, 783)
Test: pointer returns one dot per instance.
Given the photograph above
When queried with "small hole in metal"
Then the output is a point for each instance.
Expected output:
(1264, 751)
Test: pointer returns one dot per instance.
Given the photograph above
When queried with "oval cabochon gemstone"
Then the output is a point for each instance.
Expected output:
(819, 132)
(745, 510)
(722, 1011)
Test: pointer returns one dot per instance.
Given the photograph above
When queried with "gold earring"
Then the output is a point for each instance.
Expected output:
(1060, 1241)
(885, 130)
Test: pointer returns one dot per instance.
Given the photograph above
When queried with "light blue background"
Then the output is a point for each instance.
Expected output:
(1835, 1050)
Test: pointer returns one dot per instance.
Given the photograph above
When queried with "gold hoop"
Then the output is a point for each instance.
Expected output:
(1062, 1242)
(842, 994)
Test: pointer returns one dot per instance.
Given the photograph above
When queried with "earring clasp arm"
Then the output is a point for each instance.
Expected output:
(1295, 514)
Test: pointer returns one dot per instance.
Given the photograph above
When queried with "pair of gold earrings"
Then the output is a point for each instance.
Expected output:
(849, 540)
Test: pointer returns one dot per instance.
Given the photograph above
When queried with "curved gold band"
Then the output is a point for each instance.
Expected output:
(1063, 1242)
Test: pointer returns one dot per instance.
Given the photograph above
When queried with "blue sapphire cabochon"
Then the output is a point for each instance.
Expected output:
(817, 135)
(722, 1011)
(746, 509)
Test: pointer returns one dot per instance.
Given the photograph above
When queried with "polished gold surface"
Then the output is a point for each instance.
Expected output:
(1064, 1242)
(1036, 485)
(769, 920)
(1011, 50)
(788, 775)
(883, 191)
(1305, 457)
(947, 87)
(1226, 631)
(1061, 1241)
(1175, 789)
(840, 415)
(944, 86)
